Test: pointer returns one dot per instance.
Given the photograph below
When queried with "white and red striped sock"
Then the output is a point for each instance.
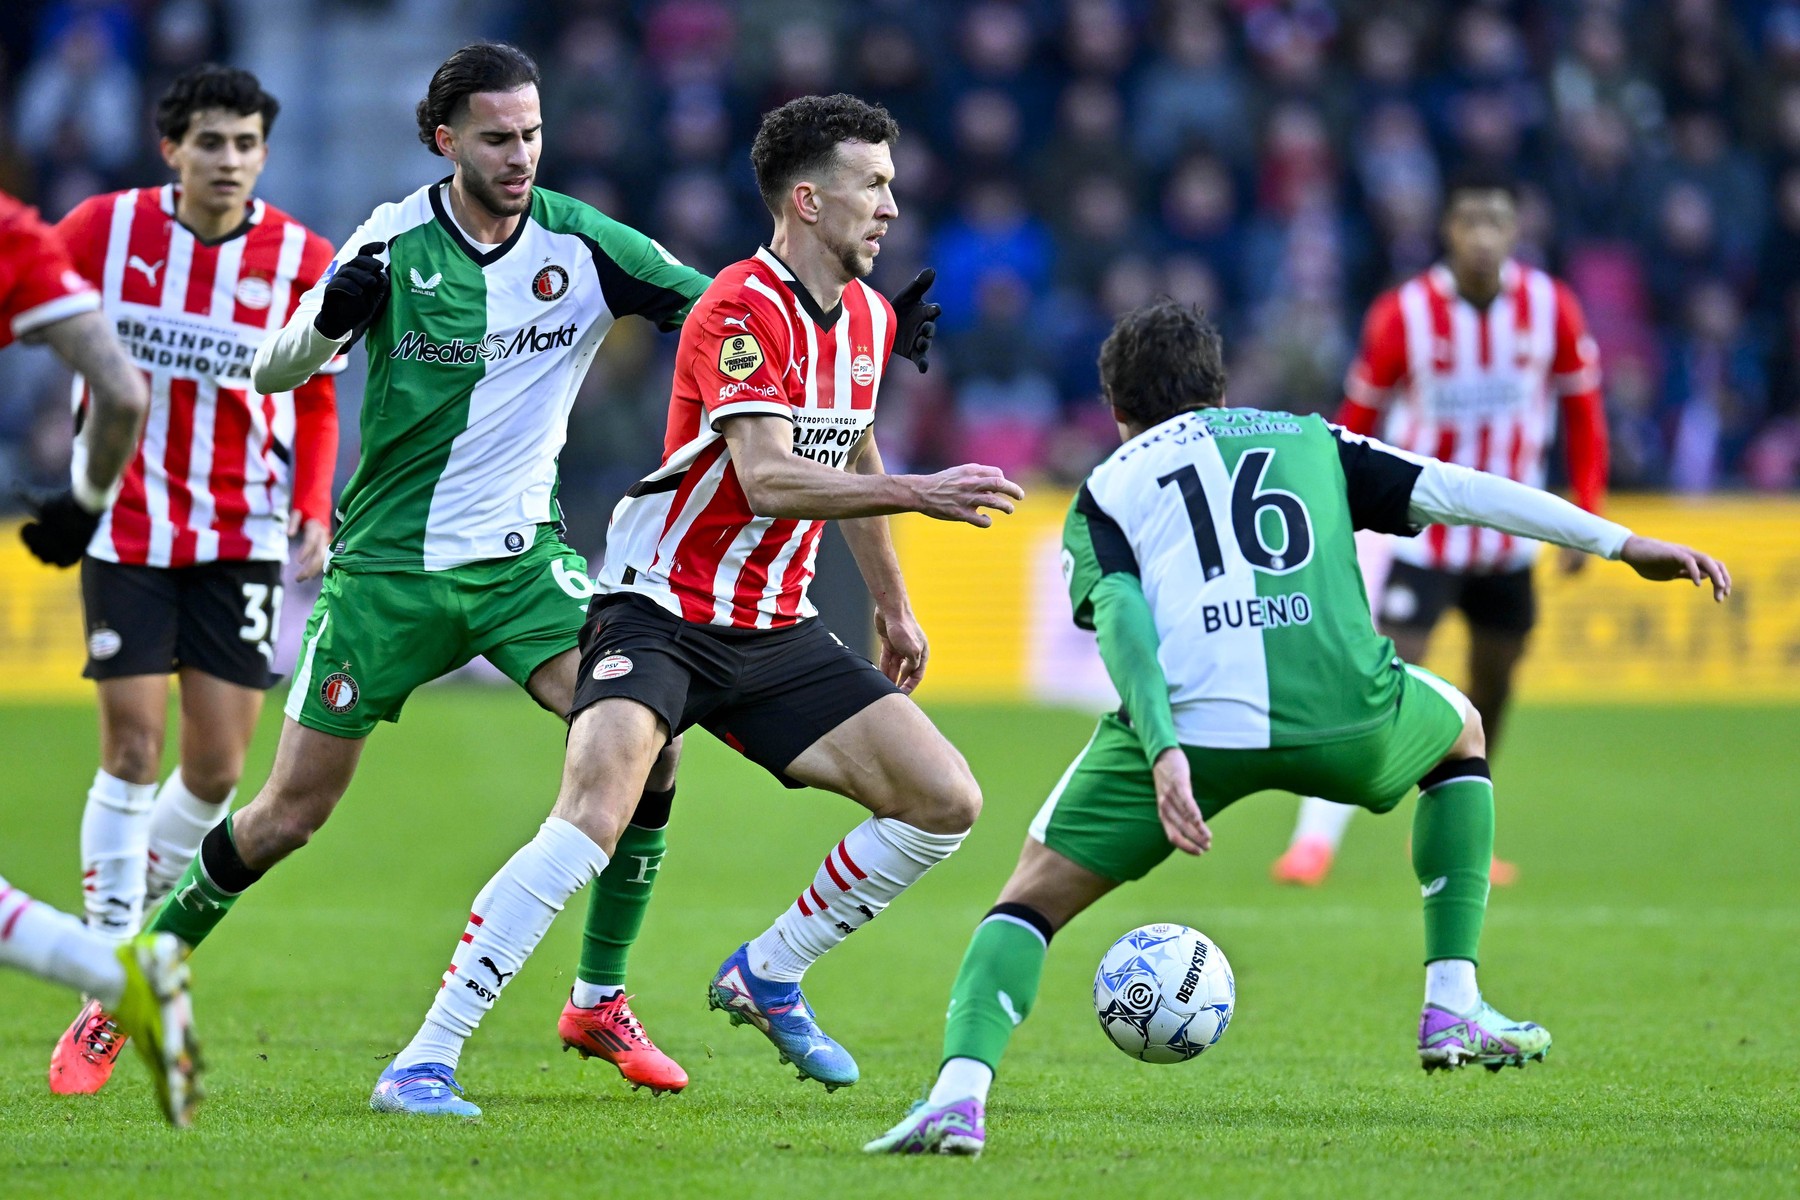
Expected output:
(874, 863)
(115, 839)
(57, 947)
(510, 917)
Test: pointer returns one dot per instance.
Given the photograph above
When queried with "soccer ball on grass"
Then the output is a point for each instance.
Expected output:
(1164, 993)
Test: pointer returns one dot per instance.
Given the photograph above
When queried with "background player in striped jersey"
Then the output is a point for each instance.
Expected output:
(704, 619)
(480, 300)
(1471, 362)
(44, 299)
(182, 572)
(1213, 555)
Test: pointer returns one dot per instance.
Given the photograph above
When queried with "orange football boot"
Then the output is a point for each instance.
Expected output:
(1306, 863)
(86, 1053)
(611, 1031)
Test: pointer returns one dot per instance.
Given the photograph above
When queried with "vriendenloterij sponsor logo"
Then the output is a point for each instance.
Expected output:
(492, 348)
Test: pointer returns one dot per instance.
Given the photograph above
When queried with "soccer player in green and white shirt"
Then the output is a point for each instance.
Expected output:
(481, 300)
(1213, 555)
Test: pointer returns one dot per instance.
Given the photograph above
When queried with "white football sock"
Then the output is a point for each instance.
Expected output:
(962, 1077)
(587, 995)
(1450, 983)
(115, 833)
(1323, 821)
(55, 946)
(511, 915)
(874, 863)
(178, 823)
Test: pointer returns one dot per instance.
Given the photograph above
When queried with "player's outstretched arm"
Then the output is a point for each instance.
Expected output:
(779, 483)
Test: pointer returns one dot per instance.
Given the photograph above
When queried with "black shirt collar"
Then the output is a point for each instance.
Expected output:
(480, 257)
(824, 320)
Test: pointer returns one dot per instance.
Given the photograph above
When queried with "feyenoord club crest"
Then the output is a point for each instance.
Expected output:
(550, 283)
(338, 693)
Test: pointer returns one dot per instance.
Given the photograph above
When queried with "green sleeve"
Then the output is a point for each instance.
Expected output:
(639, 277)
(1128, 645)
(1093, 547)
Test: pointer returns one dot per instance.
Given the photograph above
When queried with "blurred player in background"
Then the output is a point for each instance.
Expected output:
(145, 980)
(1246, 660)
(481, 300)
(182, 570)
(1470, 362)
(703, 616)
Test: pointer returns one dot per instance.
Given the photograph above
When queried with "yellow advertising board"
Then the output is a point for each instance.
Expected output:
(41, 650)
(993, 605)
(992, 602)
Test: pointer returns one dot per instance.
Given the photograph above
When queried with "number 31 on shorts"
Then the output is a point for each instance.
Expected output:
(262, 613)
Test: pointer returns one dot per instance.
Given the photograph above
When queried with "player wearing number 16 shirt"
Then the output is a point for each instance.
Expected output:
(1213, 554)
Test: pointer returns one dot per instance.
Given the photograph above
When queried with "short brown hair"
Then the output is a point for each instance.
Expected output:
(1162, 359)
(801, 138)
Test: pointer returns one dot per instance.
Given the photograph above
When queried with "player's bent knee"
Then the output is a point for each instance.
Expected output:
(212, 781)
(133, 754)
(1473, 741)
(950, 808)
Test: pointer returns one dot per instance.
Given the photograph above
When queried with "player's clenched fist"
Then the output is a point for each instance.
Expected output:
(960, 494)
(355, 295)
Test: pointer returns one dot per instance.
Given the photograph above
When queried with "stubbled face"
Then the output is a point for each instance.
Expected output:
(1480, 231)
(495, 146)
(856, 202)
(218, 160)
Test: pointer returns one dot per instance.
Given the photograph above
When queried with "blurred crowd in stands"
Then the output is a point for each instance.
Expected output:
(1279, 161)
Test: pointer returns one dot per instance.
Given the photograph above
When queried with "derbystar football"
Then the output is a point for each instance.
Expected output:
(1164, 993)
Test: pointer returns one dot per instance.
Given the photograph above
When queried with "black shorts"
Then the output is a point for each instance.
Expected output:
(1415, 598)
(220, 618)
(768, 694)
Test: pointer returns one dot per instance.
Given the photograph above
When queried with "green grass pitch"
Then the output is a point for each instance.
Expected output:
(1655, 931)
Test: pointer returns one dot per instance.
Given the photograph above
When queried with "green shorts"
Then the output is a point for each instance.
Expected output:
(1102, 813)
(374, 637)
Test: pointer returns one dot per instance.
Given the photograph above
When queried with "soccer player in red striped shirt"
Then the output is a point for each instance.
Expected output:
(703, 617)
(43, 299)
(182, 572)
(1471, 362)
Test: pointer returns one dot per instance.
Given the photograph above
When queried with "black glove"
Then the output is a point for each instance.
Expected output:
(62, 530)
(355, 295)
(915, 321)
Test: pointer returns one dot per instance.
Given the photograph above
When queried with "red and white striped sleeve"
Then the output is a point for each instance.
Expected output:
(1575, 377)
(1380, 365)
(740, 357)
(39, 286)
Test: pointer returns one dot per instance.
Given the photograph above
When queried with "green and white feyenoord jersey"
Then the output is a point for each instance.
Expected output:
(473, 367)
(1238, 523)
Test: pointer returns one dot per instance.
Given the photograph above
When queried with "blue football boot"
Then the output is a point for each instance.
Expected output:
(782, 1014)
(428, 1089)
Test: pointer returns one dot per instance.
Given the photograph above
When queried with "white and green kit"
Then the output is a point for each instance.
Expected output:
(1214, 555)
(474, 364)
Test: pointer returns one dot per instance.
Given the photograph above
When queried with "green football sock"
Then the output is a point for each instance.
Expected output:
(1452, 848)
(997, 985)
(621, 895)
(206, 891)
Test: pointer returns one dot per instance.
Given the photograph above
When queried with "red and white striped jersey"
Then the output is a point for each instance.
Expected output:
(38, 284)
(212, 477)
(1480, 387)
(755, 343)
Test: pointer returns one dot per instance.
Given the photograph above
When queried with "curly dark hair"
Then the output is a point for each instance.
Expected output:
(801, 138)
(1479, 177)
(1160, 360)
(477, 67)
(212, 86)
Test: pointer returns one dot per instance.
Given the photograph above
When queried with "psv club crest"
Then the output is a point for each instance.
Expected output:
(550, 283)
(338, 692)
